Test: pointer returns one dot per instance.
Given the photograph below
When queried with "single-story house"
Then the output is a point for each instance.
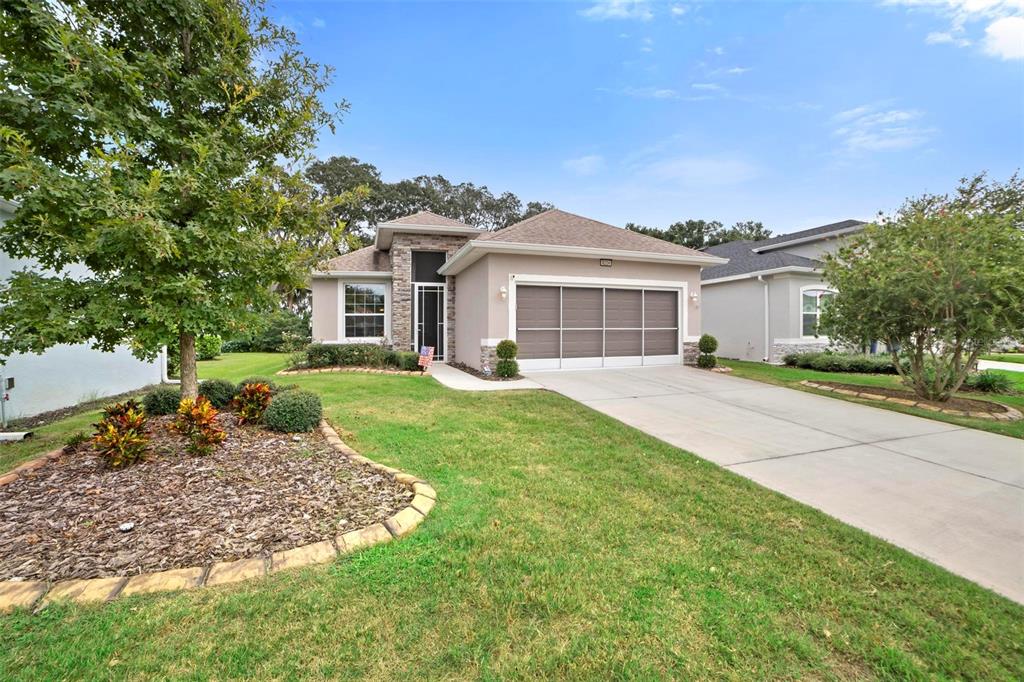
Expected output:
(765, 302)
(571, 291)
(66, 374)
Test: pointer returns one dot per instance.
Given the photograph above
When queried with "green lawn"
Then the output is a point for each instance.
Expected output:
(564, 545)
(791, 376)
(1005, 357)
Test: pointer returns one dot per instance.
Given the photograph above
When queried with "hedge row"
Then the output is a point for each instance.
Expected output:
(842, 362)
(357, 355)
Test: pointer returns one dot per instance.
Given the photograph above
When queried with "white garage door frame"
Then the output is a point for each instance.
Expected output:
(600, 283)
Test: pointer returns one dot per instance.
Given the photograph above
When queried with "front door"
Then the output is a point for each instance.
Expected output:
(429, 317)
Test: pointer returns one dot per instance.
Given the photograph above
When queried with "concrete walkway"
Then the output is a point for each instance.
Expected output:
(463, 381)
(952, 495)
(998, 364)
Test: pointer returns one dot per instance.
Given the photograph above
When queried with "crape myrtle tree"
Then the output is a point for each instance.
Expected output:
(144, 140)
(940, 282)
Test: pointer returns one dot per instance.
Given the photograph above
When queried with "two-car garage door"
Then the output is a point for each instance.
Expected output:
(564, 327)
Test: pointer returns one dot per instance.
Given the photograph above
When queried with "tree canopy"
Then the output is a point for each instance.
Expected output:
(940, 282)
(698, 234)
(383, 201)
(144, 140)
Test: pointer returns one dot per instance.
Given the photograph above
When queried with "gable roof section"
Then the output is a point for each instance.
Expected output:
(561, 228)
(811, 235)
(367, 260)
(423, 222)
(747, 258)
(424, 218)
(559, 233)
(744, 261)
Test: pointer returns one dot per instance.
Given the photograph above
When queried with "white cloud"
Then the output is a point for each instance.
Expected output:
(644, 93)
(646, 44)
(678, 10)
(1003, 20)
(585, 165)
(878, 128)
(737, 70)
(319, 23)
(700, 170)
(942, 37)
(1004, 38)
(706, 86)
(618, 9)
(719, 50)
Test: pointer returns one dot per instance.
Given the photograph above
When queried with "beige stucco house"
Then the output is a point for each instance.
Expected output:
(573, 292)
(766, 301)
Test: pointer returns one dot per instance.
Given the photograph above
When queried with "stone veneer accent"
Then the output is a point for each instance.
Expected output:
(402, 246)
(488, 356)
(781, 350)
(690, 352)
(28, 593)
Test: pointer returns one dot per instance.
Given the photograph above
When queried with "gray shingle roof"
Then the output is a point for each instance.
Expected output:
(822, 231)
(427, 218)
(560, 228)
(366, 259)
(743, 259)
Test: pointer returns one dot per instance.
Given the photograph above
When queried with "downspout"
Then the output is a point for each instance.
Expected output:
(767, 348)
(163, 369)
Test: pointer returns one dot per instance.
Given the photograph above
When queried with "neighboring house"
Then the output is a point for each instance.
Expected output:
(65, 375)
(766, 301)
(573, 292)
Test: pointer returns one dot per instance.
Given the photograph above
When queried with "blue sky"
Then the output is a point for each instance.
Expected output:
(795, 114)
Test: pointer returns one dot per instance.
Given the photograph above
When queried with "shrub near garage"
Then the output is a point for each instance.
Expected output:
(294, 411)
(162, 400)
(507, 366)
(707, 345)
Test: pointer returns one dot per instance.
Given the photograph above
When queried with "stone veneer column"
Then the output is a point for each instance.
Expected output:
(402, 247)
(690, 352)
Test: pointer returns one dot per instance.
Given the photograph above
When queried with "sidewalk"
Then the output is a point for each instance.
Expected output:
(462, 381)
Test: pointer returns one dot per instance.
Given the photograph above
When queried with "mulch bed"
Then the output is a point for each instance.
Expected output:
(480, 375)
(261, 492)
(954, 403)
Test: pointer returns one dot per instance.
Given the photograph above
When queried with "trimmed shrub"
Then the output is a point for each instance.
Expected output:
(252, 402)
(162, 400)
(293, 412)
(285, 332)
(842, 362)
(197, 421)
(706, 361)
(256, 380)
(207, 347)
(506, 369)
(321, 355)
(989, 382)
(507, 349)
(707, 344)
(408, 361)
(789, 359)
(218, 391)
(121, 437)
(236, 346)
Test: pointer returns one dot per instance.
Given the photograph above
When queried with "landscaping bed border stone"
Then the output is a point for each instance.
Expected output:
(39, 594)
(1009, 413)
(358, 370)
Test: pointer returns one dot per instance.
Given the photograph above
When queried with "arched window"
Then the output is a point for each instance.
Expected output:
(811, 300)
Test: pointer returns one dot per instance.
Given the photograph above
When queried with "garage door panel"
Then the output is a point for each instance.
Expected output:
(661, 309)
(660, 342)
(623, 308)
(582, 343)
(623, 342)
(537, 344)
(582, 307)
(537, 307)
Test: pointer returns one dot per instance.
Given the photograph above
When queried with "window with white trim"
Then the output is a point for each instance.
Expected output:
(811, 301)
(364, 310)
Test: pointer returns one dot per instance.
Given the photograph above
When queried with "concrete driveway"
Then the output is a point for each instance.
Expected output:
(952, 495)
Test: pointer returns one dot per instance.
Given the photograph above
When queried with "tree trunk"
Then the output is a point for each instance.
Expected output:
(189, 382)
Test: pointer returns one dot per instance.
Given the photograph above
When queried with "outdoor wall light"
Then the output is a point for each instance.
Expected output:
(694, 296)
(503, 292)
